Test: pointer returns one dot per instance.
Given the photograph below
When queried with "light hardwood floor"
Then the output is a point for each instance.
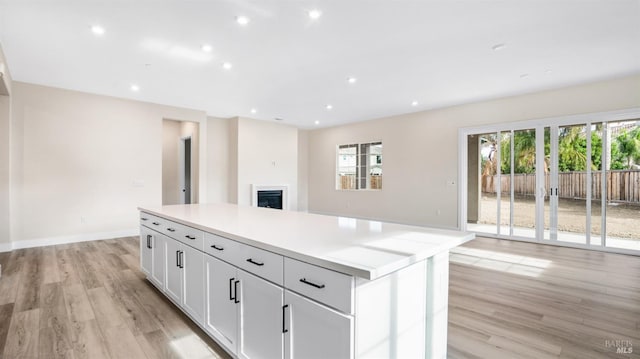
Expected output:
(507, 300)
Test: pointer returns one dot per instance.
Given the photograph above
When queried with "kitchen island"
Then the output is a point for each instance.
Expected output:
(281, 284)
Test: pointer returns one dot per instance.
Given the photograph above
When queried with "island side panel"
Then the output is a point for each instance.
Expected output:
(437, 305)
(391, 314)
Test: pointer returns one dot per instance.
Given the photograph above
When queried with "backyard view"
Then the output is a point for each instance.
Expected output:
(614, 149)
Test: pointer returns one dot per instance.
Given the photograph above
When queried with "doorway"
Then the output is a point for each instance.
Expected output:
(185, 170)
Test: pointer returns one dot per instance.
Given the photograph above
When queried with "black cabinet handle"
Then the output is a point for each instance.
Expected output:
(149, 241)
(235, 291)
(144, 219)
(155, 223)
(181, 259)
(178, 259)
(171, 229)
(231, 288)
(254, 262)
(190, 237)
(284, 329)
(305, 281)
(218, 248)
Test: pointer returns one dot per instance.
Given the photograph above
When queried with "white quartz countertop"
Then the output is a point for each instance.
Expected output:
(362, 248)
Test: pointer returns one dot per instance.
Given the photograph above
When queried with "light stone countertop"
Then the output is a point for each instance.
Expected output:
(362, 248)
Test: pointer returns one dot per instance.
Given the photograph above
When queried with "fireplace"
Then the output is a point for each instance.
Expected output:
(270, 199)
(269, 196)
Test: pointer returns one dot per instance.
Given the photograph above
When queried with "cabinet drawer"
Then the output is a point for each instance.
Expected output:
(261, 263)
(222, 248)
(151, 221)
(326, 286)
(185, 234)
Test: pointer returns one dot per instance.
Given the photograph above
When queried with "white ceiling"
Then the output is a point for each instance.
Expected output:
(285, 65)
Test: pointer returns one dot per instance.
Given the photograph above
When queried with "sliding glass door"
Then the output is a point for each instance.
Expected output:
(576, 183)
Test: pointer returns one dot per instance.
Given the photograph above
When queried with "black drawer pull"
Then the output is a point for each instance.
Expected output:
(231, 288)
(218, 248)
(149, 241)
(190, 237)
(171, 230)
(144, 219)
(235, 291)
(305, 281)
(284, 330)
(253, 262)
(155, 223)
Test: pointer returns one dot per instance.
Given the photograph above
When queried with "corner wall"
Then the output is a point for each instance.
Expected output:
(5, 150)
(420, 151)
(81, 164)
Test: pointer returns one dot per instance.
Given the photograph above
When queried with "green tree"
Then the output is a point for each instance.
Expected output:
(628, 148)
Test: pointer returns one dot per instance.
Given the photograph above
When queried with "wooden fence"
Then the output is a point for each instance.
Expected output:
(622, 185)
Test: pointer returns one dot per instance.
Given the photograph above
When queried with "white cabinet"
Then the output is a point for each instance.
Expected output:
(185, 277)
(173, 283)
(192, 263)
(244, 312)
(158, 262)
(316, 331)
(221, 317)
(152, 259)
(146, 251)
(261, 318)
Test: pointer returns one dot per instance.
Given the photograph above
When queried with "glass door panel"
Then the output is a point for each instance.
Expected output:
(622, 184)
(597, 155)
(482, 183)
(524, 183)
(506, 179)
(571, 187)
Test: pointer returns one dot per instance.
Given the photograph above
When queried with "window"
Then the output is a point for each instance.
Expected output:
(359, 166)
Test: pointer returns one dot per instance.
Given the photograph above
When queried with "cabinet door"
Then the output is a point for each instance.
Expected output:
(146, 253)
(221, 317)
(260, 318)
(158, 261)
(173, 280)
(192, 263)
(316, 331)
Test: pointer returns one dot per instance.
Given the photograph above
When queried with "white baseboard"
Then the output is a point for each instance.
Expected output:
(50, 241)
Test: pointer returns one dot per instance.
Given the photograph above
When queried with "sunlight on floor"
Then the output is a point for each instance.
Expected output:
(192, 347)
(510, 263)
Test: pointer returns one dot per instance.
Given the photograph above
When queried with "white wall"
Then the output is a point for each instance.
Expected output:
(5, 121)
(218, 159)
(420, 151)
(170, 141)
(303, 170)
(75, 157)
(267, 154)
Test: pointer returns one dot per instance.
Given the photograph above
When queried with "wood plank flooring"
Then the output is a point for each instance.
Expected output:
(90, 300)
(507, 300)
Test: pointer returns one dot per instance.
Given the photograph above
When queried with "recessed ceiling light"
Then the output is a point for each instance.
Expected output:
(352, 80)
(227, 66)
(253, 110)
(135, 88)
(414, 103)
(329, 107)
(548, 71)
(242, 20)
(97, 30)
(317, 122)
(315, 14)
(524, 76)
(207, 48)
(498, 47)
